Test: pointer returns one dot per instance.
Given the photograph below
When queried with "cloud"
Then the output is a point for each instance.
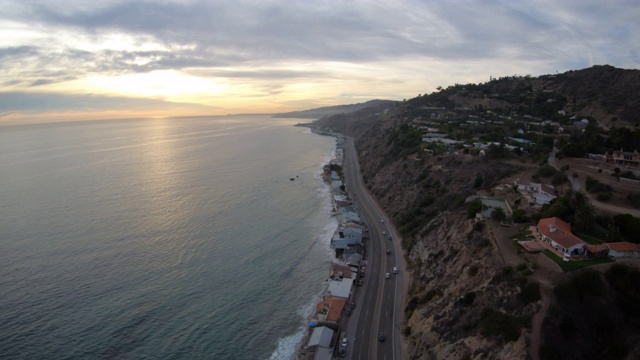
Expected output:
(264, 49)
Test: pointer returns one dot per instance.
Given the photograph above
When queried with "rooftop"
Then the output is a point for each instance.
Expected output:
(559, 231)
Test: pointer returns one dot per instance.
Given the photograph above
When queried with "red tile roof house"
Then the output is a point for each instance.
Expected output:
(623, 249)
(557, 236)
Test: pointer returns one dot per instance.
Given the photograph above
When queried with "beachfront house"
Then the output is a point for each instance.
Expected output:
(330, 309)
(340, 201)
(318, 346)
(340, 288)
(347, 236)
(348, 215)
(623, 250)
(556, 234)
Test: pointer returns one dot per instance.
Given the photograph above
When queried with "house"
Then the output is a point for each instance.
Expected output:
(342, 271)
(349, 215)
(330, 308)
(622, 157)
(557, 235)
(321, 337)
(540, 193)
(340, 288)
(336, 185)
(346, 236)
(354, 261)
(623, 250)
(340, 201)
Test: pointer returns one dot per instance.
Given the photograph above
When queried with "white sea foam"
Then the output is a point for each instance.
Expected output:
(287, 346)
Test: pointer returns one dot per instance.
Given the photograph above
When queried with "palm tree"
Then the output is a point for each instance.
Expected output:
(584, 212)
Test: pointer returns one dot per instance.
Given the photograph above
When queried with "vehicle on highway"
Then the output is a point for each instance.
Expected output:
(388, 251)
(387, 275)
(344, 342)
(381, 336)
(343, 352)
(395, 270)
(390, 238)
(384, 233)
(382, 221)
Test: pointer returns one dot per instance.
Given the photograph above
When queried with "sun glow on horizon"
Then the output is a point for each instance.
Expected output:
(170, 85)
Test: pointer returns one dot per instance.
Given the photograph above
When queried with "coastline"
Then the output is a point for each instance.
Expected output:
(323, 335)
(288, 347)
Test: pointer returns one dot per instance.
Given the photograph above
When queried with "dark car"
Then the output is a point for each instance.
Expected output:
(382, 336)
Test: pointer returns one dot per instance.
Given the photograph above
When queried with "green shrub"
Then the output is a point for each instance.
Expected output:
(530, 293)
(496, 323)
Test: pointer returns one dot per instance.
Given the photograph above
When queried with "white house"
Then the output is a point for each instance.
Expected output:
(557, 234)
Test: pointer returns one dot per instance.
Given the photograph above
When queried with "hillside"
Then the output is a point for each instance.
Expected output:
(468, 299)
(605, 93)
(321, 112)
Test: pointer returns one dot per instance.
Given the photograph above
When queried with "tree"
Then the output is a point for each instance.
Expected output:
(584, 212)
(520, 216)
(498, 214)
(613, 233)
(474, 207)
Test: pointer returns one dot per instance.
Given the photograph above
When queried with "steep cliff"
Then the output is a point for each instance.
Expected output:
(463, 302)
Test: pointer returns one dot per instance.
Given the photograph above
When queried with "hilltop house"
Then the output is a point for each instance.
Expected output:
(623, 249)
(540, 193)
(622, 157)
(556, 234)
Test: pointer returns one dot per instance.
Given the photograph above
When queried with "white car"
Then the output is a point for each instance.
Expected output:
(387, 275)
(344, 342)
(395, 270)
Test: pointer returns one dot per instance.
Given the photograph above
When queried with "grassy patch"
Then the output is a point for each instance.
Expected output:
(573, 265)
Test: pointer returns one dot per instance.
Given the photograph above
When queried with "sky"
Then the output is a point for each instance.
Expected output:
(75, 59)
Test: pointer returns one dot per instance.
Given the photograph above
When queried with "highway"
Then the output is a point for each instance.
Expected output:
(380, 308)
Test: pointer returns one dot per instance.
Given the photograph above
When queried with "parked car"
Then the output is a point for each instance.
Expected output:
(344, 342)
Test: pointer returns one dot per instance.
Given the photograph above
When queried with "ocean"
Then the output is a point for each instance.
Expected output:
(179, 238)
